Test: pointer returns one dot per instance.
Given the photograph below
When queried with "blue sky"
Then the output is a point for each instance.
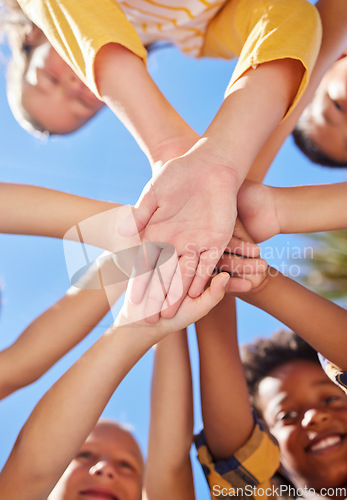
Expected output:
(103, 161)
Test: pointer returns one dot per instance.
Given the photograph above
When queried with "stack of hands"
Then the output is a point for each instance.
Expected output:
(176, 272)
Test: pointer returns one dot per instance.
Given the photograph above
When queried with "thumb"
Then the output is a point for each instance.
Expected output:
(241, 233)
(214, 293)
(141, 213)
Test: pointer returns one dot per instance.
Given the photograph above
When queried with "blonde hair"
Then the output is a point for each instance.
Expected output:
(16, 28)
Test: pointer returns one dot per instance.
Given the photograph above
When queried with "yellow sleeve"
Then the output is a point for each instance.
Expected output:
(78, 29)
(248, 472)
(259, 31)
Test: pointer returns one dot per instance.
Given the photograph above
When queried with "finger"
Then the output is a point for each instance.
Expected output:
(212, 295)
(205, 269)
(180, 284)
(124, 261)
(141, 213)
(242, 243)
(160, 283)
(240, 247)
(192, 310)
(238, 285)
(145, 263)
(235, 264)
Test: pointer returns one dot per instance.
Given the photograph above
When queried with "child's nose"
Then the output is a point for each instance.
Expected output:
(103, 469)
(73, 85)
(314, 417)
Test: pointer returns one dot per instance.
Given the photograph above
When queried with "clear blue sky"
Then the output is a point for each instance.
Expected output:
(103, 161)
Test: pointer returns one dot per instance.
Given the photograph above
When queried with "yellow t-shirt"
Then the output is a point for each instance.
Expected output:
(256, 31)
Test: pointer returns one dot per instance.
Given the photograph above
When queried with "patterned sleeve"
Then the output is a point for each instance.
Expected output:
(337, 376)
(249, 469)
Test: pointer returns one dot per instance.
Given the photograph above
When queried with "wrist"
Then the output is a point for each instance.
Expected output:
(207, 153)
(252, 294)
(131, 334)
(172, 147)
(281, 208)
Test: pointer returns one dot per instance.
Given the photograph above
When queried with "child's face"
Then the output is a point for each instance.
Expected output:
(307, 414)
(53, 95)
(108, 466)
(325, 118)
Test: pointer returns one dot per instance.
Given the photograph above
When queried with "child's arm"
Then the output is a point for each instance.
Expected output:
(266, 211)
(51, 438)
(40, 211)
(320, 322)
(233, 443)
(333, 14)
(58, 329)
(217, 164)
(173, 205)
(168, 466)
(224, 394)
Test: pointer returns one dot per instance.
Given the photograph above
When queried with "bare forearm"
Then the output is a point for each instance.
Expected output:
(81, 397)
(333, 15)
(224, 394)
(55, 332)
(312, 208)
(253, 109)
(171, 426)
(320, 322)
(44, 212)
(129, 91)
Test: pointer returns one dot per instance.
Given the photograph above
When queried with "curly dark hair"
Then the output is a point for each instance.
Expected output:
(312, 151)
(263, 355)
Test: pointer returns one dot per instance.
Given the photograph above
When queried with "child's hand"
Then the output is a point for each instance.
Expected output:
(257, 210)
(246, 272)
(247, 275)
(134, 315)
(192, 206)
(242, 243)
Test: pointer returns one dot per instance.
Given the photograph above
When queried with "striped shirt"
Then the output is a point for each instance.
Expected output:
(181, 25)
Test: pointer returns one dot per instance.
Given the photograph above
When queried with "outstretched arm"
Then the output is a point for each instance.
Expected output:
(159, 130)
(172, 207)
(333, 14)
(38, 211)
(226, 410)
(46, 445)
(320, 322)
(51, 439)
(171, 425)
(58, 329)
(266, 211)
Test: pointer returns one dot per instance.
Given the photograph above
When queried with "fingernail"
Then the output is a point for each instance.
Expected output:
(226, 279)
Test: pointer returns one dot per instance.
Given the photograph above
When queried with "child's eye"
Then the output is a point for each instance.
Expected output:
(338, 106)
(51, 78)
(287, 416)
(85, 454)
(126, 465)
(85, 104)
(331, 399)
